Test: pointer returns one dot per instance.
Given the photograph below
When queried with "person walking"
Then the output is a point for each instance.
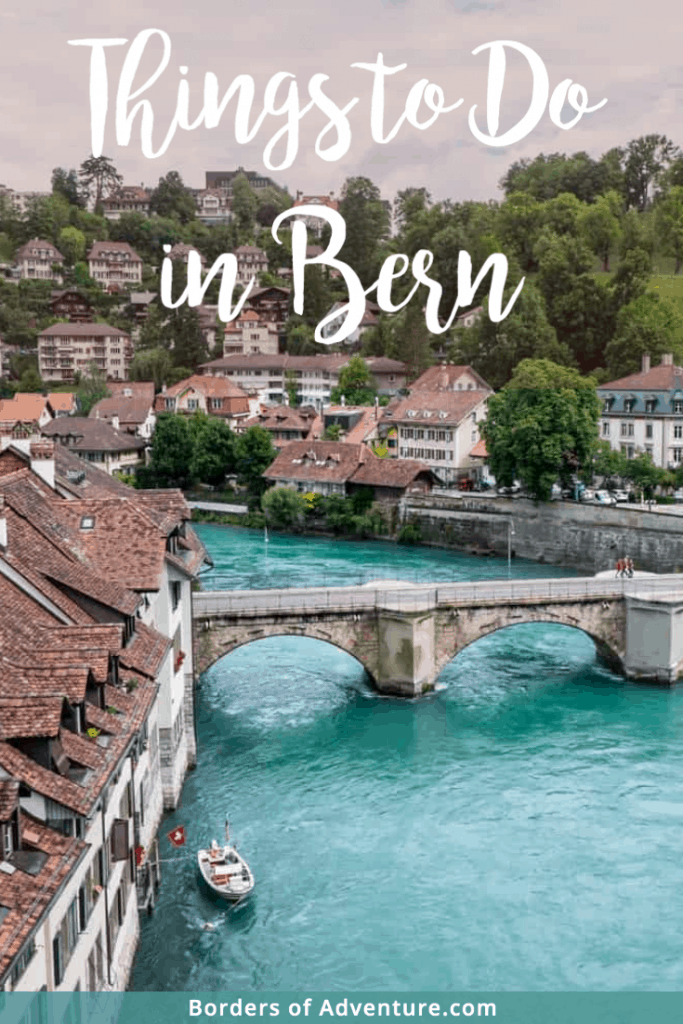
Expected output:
(618, 568)
(629, 566)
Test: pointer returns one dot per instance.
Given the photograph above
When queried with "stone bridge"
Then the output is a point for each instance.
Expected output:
(404, 635)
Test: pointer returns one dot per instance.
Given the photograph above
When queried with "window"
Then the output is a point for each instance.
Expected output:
(678, 454)
(648, 430)
(22, 962)
(605, 428)
(678, 430)
(627, 430)
(678, 407)
(175, 588)
(629, 404)
(650, 404)
(192, 403)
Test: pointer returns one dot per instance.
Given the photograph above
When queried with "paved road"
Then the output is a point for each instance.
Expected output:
(218, 506)
(406, 596)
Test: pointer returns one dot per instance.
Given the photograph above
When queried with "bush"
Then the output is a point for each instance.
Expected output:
(283, 506)
(410, 534)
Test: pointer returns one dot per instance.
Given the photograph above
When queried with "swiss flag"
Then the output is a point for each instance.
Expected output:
(177, 836)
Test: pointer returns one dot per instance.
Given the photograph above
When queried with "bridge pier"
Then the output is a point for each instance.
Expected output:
(654, 637)
(406, 664)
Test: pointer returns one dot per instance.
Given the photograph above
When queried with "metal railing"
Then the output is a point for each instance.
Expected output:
(300, 600)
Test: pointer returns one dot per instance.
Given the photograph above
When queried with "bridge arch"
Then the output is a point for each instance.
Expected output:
(214, 643)
(460, 629)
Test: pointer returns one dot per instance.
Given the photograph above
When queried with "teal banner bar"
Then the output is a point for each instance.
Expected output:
(207, 1007)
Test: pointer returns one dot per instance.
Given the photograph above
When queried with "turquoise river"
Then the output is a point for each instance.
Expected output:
(521, 828)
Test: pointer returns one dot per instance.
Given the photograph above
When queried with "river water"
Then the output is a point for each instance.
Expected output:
(519, 829)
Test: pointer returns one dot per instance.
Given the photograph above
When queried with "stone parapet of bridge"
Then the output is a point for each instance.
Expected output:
(404, 635)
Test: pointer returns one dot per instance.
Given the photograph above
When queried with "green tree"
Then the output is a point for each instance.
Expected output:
(609, 463)
(71, 244)
(171, 198)
(670, 224)
(367, 225)
(647, 159)
(541, 426)
(284, 507)
(214, 449)
(292, 388)
(151, 364)
(254, 452)
(92, 386)
(599, 225)
(65, 184)
(356, 384)
(643, 473)
(244, 206)
(411, 341)
(188, 344)
(172, 450)
(30, 381)
(99, 178)
(495, 349)
(649, 324)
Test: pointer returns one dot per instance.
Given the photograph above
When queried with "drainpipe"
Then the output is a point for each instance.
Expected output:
(105, 886)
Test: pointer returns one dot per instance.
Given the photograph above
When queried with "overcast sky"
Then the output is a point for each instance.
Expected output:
(633, 60)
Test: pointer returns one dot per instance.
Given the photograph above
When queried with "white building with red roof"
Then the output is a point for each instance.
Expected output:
(216, 396)
(39, 260)
(250, 333)
(115, 266)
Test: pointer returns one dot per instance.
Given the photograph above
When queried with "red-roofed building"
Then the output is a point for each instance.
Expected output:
(216, 396)
(127, 199)
(115, 266)
(39, 260)
(250, 333)
(96, 730)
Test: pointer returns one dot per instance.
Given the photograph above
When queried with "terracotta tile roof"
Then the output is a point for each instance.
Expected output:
(132, 388)
(81, 330)
(101, 250)
(131, 412)
(397, 473)
(211, 387)
(146, 651)
(103, 720)
(124, 545)
(29, 895)
(382, 364)
(83, 751)
(659, 378)
(92, 435)
(62, 401)
(280, 417)
(9, 798)
(366, 425)
(29, 716)
(24, 407)
(434, 408)
(56, 787)
(181, 251)
(317, 461)
(479, 451)
(445, 377)
(62, 679)
(81, 478)
(39, 243)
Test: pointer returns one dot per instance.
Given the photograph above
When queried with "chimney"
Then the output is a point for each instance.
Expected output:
(115, 422)
(3, 523)
(43, 460)
(668, 359)
(645, 368)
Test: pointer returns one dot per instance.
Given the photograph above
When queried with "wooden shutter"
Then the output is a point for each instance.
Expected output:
(119, 840)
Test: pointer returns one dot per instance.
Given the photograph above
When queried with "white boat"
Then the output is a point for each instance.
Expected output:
(225, 871)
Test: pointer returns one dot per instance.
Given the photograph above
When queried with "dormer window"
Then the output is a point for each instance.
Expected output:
(629, 404)
(87, 522)
(650, 405)
(608, 403)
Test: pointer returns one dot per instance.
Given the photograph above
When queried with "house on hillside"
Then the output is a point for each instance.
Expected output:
(127, 412)
(25, 415)
(250, 333)
(127, 199)
(39, 260)
(285, 424)
(449, 377)
(67, 349)
(115, 266)
(69, 304)
(98, 442)
(643, 412)
(216, 396)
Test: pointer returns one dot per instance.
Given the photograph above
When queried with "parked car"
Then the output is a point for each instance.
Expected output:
(604, 498)
(587, 495)
(509, 492)
(622, 495)
(678, 495)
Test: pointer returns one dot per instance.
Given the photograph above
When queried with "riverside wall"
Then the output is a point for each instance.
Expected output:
(587, 537)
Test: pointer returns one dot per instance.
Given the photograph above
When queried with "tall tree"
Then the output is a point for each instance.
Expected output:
(647, 158)
(599, 225)
(254, 452)
(171, 198)
(65, 184)
(99, 178)
(92, 386)
(367, 225)
(244, 206)
(542, 425)
(356, 385)
(172, 450)
(214, 449)
(670, 224)
(188, 344)
(648, 325)
(151, 364)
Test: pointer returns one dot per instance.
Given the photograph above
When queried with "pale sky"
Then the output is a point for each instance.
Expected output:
(631, 59)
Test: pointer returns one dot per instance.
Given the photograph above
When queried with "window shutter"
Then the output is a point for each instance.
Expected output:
(119, 840)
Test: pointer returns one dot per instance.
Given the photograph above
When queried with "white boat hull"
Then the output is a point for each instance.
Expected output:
(225, 872)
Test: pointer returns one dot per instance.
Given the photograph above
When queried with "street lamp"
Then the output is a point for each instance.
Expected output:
(511, 533)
